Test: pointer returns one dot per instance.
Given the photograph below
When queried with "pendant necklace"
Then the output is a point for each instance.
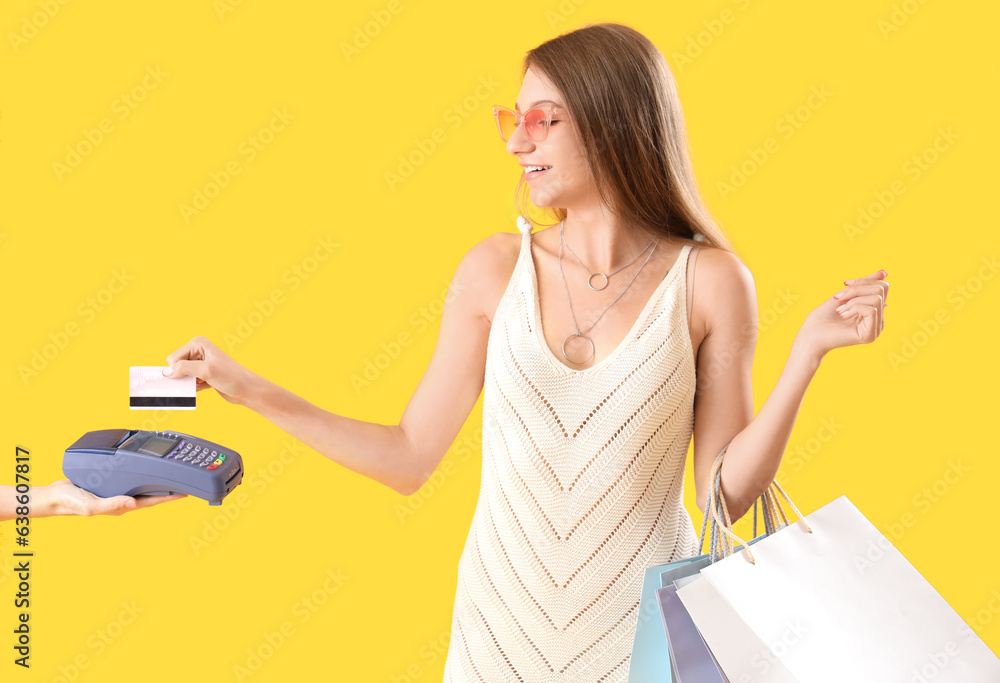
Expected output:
(578, 332)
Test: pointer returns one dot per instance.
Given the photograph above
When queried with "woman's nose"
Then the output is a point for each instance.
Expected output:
(519, 143)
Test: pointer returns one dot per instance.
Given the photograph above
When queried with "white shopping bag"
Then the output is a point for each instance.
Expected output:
(830, 613)
(743, 656)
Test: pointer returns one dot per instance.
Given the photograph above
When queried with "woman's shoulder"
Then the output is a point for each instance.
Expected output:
(490, 264)
(722, 289)
(495, 252)
(716, 267)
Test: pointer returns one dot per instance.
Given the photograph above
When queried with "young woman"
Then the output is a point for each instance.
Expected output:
(598, 362)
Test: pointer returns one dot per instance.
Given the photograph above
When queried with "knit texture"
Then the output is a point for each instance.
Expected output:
(581, 490)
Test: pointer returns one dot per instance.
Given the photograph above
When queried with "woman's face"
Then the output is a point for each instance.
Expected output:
(569, 181)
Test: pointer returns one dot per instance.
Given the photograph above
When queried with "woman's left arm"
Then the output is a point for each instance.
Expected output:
(724, 397)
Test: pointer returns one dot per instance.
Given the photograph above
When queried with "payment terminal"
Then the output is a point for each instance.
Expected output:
(131, 462)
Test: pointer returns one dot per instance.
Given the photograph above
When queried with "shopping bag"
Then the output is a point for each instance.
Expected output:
(745, 657)
(690, 658)
(827, 608)
(650, 658)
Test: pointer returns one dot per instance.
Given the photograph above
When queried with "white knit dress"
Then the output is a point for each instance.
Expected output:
(581, 490)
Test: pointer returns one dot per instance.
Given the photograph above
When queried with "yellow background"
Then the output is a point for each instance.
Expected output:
(223, 72)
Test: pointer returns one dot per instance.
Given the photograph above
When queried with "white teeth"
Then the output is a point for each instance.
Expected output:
(529, 169)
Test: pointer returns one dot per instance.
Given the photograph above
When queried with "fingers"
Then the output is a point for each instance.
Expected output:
(149, 501)
(870, 299)
(186, 351)
(871, 287)
(184, 368)
(193, 350)
(873, 301)
(115, 505)
(190, 359)
(877, 275)
(868, 308)
(863, 310)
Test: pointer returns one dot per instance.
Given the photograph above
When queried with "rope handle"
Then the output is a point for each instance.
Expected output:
(721, 545)
(726, 526)
(798, 514)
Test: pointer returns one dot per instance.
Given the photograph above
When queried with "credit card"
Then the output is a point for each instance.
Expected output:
(148, 389)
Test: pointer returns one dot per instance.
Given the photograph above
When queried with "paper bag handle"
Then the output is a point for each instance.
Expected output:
(721, 545)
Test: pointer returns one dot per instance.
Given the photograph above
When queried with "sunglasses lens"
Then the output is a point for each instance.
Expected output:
(507, 123)
(535, 124)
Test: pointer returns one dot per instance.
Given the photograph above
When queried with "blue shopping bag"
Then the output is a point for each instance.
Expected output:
(650, 660)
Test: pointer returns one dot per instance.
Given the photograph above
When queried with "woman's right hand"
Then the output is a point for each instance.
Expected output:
(212, 367)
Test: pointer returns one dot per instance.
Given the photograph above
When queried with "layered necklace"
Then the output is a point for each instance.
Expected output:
(590, 283)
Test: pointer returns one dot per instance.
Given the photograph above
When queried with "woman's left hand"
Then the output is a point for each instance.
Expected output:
(64, 498)
(854, 315)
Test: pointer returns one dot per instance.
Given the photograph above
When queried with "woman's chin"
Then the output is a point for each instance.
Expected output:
(544, 200)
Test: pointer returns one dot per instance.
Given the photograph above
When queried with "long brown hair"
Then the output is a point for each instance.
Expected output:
(622, 98)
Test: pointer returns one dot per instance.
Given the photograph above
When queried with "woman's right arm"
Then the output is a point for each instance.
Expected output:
(401, 456)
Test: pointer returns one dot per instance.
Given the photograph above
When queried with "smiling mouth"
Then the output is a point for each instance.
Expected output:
(536, 171)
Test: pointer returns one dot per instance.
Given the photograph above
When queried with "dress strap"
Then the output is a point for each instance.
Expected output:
(681, 258)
